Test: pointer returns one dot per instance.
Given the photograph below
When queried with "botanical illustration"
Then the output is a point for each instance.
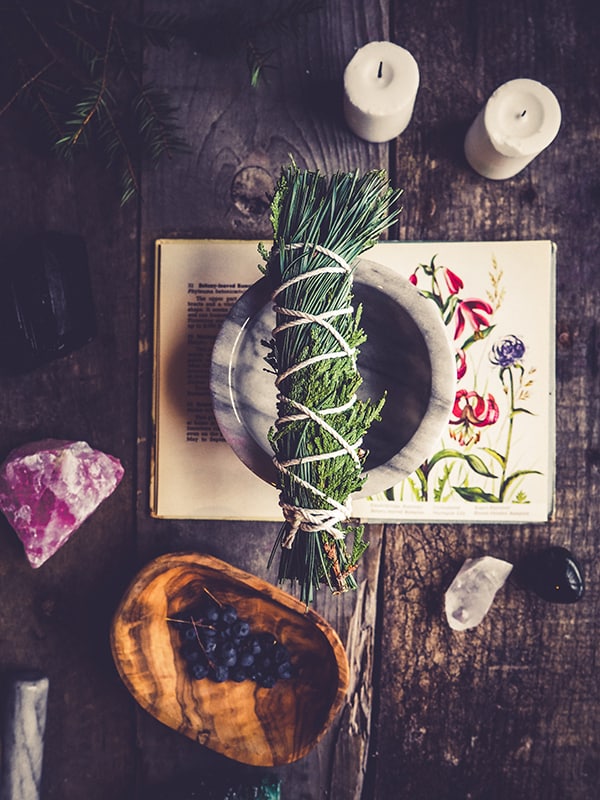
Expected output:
(476, 460)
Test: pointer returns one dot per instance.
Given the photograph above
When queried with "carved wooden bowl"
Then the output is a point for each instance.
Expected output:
(247, 723)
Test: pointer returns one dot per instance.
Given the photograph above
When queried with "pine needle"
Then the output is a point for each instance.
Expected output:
(344, 214)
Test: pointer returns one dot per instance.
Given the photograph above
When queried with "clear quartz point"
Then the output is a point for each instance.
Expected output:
(471, 593)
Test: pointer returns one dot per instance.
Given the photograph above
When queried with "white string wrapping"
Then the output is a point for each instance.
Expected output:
(312, 520)
(309, 413)
(341, 262)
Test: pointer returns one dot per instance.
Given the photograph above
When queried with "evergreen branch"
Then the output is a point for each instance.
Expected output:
(26, 85)
(43, 40)
(114, 144)
(229, 30)
(155, 121)
(281, 20)
(128, 184)
(257, 62)
(161, 29)
(127, 61)
(90, 105)
(86, 50)
(50, 117)
(93, 11)
(312, 217)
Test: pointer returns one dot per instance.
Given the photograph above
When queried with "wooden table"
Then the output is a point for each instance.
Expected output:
(511, 710)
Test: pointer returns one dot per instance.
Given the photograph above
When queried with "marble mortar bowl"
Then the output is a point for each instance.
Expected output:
(407, 354)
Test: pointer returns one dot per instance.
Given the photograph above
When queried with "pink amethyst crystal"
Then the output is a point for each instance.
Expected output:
(48, 488)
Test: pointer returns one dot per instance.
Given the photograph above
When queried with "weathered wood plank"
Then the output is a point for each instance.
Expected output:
(56, 619)
(353, 737)
(512, 708)
(240, 138)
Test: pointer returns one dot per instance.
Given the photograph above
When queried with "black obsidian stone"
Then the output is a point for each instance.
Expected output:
(553, 574)
(46, 305)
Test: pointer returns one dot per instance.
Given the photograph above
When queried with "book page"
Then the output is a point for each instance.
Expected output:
(196, 475)
(495, 459)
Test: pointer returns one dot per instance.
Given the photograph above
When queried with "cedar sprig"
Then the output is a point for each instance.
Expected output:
(345, 214)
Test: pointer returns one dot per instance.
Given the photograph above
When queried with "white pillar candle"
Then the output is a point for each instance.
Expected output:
(380, 87)
(520, 119)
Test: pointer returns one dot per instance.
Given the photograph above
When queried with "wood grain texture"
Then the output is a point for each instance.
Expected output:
(56, 619)
(247, 723)
(350, 762)
(511, 709)
(240, 138)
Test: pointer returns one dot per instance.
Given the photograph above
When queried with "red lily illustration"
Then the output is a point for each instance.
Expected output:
(475, 312)
(453, 281)
(461, 364)
(472, 411)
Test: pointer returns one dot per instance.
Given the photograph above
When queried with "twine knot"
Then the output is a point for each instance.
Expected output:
(313, 520)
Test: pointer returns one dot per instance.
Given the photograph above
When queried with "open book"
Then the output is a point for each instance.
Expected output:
(493, 463)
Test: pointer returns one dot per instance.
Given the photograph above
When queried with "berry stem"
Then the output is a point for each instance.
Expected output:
(212, 597)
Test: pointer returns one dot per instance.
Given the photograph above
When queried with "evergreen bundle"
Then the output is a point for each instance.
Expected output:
(320, 227)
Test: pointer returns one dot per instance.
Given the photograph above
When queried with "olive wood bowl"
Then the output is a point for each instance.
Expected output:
(245, 722)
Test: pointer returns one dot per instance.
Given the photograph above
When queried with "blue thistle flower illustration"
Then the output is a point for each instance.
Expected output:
(508, 351)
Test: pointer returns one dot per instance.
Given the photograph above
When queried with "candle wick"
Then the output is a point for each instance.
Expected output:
(380, 70)
(522, 114)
